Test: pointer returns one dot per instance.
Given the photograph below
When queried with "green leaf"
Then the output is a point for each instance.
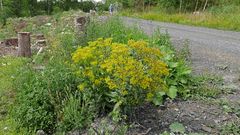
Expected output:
(183, 81)
(172, 93)
(165, 133)
(186, 72)
(173, 64)
(177, 127)
(158, 99)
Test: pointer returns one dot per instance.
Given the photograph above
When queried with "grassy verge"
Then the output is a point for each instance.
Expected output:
(225, 21)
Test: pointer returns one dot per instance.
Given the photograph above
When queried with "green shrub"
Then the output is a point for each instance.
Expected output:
(76, 113)
(179, 78)
(119, 74)
(41, 94)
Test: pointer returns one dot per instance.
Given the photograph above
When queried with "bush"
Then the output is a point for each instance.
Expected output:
(41, 99)
(120, 74)
(75, 113)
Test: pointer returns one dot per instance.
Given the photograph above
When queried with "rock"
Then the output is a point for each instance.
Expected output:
(40, 37)
(48, 24)
(93, 12)
(40, 132)
(206, 129)
(41, 42)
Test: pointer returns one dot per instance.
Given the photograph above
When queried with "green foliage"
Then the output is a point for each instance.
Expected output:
(9, 67)
(41, 96)
(179, 77)
(112, 28)
(177, 128)
(206, 86)
(75, 113)
(26, 8)
(231, 128)
(120, 74)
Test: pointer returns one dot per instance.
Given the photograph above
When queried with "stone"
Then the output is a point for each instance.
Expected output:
(93, 12)
(40, 132)
(206, 129)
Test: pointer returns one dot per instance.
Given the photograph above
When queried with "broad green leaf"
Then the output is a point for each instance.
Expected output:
(177, 127)
(172, 93)
(173, 64)
(186, 72)
(158, 99)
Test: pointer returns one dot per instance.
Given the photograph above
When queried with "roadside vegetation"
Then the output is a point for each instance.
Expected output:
(99, 80)
(222, 14)
(109, 74)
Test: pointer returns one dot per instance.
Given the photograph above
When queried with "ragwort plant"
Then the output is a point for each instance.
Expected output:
(120, 75)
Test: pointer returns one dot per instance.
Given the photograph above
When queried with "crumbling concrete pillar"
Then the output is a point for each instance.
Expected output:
(24, 44)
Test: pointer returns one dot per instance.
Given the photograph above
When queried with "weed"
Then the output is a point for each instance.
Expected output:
(206, 86)
(232, 128)
(76, 113)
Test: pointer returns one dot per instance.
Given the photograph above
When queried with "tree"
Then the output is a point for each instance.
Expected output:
(205, 5)
(1, 5)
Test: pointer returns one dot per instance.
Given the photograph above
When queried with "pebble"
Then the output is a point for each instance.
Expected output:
(207, 129)
(40, 132)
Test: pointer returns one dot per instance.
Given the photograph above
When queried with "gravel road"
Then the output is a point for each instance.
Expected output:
(212, 50)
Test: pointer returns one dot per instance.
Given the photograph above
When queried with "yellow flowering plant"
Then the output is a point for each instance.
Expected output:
(123, 74)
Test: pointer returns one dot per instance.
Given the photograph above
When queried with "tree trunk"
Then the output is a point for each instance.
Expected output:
(1, 5)
(24, 44)
(205, 5)
(196, 6)
(180, 6)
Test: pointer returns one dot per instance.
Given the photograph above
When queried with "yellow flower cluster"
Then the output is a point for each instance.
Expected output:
(122, 67)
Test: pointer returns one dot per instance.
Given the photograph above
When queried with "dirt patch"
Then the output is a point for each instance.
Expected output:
(197, 117)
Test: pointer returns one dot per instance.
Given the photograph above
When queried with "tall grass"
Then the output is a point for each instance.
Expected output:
(226, 18)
